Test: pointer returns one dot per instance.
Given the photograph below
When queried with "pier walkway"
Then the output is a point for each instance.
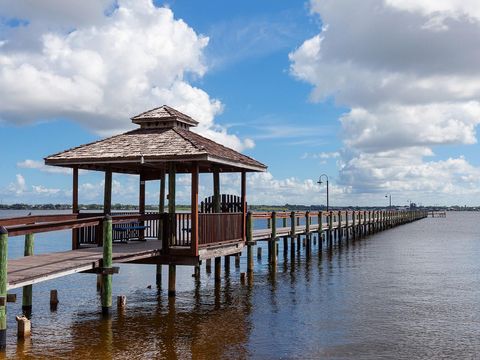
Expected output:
(33, 269)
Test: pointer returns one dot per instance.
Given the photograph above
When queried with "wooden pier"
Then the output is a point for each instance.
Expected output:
(219, 226)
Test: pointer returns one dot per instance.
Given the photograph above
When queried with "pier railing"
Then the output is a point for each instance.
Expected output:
(214, 229)
(275, 224)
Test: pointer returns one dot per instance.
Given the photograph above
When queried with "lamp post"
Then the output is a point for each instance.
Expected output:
(390, 197)
(321, 182)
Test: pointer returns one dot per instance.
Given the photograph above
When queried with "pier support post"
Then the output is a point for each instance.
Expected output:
(330, 228)
(272, 248)
(226, 264)
(3, 287)
(172, 277)
(27, 290)
(320, 230)
(285, 238)
(208, 266)
(249, 243)
(218, 269)
(237, 261)
(107, 264)
(53, 300)
(292, 232)
(23, 327)
(158, 276)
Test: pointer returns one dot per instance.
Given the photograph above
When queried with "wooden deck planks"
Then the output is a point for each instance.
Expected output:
(34, 269)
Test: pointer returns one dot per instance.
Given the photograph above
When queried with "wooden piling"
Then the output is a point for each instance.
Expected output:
(330, 228)
(226, 264)
(259, 252)
(121, 301)
(272, 253)
(237, 261)
(243, 278)
(27, 290)
(3, 287)
(54, 300)
(172, 279)
(23, 327)
(107, 265)
(158, 276)
(249, 243)
(339, 228)
(275, 254)
(208, 266)
(218, 269)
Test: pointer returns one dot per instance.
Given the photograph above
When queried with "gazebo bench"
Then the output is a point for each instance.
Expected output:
(129, 230)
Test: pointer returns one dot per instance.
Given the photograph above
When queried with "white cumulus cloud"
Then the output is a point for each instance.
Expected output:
(408, 71)
(100, 63)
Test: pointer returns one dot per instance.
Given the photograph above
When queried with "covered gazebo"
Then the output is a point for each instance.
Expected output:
(164, 144)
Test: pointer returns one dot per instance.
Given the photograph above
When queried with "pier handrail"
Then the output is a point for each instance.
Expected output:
(47, 223)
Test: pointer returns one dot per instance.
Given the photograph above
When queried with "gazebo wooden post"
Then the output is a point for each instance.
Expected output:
(216, 191)
(194, 211)
(216, 209)
(172, 226)
(161, 209)
(75, 209)
(107, 203)
(141, 206)
(243, 199)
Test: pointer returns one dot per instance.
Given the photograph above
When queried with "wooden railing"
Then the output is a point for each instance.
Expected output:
(218, 228)
(319, 220)
(214, 229)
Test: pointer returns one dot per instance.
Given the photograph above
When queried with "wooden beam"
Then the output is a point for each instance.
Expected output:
(107, 197)
(194, 207)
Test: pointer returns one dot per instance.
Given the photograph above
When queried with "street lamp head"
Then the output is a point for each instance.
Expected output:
(319, 182)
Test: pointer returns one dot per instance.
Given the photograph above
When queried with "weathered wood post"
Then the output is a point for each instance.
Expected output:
(273, 241)
(320, 230)
(218, 269)
(293, 230)
(27, 290)
(365, 223)
(226, 264)
(107, 265)
(249, 242)
(339, 229)
(285, 238)
(307, 231)
(3, 287)
(347, 229)
(161, 209)
(172, 275)
(237, 260)
(330, 228)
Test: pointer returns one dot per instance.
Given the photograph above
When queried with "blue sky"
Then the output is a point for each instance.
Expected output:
(305, 87)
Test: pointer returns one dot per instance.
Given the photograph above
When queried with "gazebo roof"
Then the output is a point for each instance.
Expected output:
(165, 139)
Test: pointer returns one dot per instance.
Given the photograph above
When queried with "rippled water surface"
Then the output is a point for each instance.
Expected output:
(410, 292)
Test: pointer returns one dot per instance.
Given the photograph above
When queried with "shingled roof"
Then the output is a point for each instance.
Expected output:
(151, 148)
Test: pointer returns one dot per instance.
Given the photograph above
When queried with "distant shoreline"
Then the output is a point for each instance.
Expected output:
(289, 207)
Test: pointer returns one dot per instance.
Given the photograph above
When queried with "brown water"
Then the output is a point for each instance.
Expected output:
(410, 292)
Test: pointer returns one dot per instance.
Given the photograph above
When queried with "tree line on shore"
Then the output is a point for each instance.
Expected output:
(286, 207)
